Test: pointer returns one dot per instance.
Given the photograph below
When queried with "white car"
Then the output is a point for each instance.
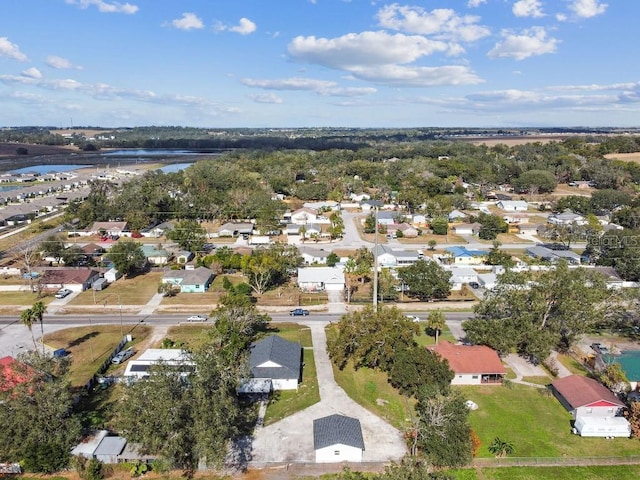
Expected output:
(413, 318)
(122, 356)
(63, 293)
(197, 318)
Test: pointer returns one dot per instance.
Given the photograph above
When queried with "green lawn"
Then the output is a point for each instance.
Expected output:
(137, 290)
(535, 422)
(609, 472)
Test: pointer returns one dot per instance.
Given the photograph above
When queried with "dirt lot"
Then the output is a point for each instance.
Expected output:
(625, 157)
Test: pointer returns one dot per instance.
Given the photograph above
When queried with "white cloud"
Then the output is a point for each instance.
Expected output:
(381, 58)
(105, 7)
(321, 87)
(528, 8)
(366, 48)
(561, 17)
(587, 8)
(60, 63)
(32, 72)
(442, 23)
(244, 27)
(11, 50)
(475, 3)
(268, 97)
(188, 21)
(530, 42)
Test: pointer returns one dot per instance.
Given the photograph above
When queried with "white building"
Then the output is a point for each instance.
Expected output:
(140, 367)
(512, 205)
(337, 438)
(314, 279)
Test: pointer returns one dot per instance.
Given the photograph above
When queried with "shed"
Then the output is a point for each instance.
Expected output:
(100, 284)
(109, 449)
(337, 438)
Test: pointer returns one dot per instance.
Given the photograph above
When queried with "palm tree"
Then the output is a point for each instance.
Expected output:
(37, 311)
(26, 318)
(436, 322)
(501, 448)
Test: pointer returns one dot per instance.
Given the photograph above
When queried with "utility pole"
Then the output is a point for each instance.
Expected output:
(121, 329)
(375, 263)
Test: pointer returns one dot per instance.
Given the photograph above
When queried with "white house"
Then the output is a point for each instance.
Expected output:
(388, 257)
(337, 438)
(275, 364)
(512, 205)
(596, 410)
(313, 256)
(175, 357)
(466, 228)
(461, 275)
(304, 215)
(315, 279)
(566, 218)
(456, 216)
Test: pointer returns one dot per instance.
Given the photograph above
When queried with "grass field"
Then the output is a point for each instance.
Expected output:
(536, 423)
(608, 472)
(91, 345)
(137, 290)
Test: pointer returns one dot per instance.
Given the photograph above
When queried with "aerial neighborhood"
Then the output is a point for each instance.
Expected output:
(408, 306)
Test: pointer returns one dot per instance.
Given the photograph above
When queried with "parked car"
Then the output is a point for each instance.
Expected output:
(123, 356)
(62, 293)
(197, 318)
(413, 318)
(296, 312)
(474, 284)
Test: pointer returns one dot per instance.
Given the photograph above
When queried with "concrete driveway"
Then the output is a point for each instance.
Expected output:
(291, 439)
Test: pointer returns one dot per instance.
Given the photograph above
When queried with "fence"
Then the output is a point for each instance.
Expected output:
(554, 461)
(103, 368)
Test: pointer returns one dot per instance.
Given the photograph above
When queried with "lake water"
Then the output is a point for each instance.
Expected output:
(630, 362)
(175, 167)
(149, 153)
(42, 169)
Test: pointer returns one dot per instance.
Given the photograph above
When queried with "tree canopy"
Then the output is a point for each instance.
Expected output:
(426, 280)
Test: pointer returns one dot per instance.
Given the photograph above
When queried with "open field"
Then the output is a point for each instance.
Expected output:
(594, 472)
(91, 345)
(625, 157)
(136, 290)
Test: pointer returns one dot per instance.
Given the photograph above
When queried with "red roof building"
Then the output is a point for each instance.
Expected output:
(594, 407)
(472, 364)
(11, 374)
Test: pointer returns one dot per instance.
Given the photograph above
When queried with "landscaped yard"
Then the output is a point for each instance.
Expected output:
(91, 345)
(23, 298)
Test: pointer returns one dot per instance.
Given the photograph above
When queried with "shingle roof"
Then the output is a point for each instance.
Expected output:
(579, 391)
(197, 276)
(336, 429)
(282, 358)
(464, 359)
(68, 276)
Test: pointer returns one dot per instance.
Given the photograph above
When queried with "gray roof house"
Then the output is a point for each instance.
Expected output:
(197, 280)
(275, 364)
(387, 257)
(337, 438)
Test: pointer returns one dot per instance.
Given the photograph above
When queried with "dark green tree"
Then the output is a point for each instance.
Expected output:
(492, 225)
(189, 234)
(127, 257)
(426, 280)
(416, 367)
(440, 226)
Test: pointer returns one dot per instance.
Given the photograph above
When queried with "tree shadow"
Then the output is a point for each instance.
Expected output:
(82, 339)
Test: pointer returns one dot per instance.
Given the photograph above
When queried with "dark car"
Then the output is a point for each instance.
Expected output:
(474, 284)
(299, 312)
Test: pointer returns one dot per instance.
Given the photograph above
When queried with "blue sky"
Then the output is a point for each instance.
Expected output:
(319, 63)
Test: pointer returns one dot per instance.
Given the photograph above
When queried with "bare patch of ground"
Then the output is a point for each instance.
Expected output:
(9, 149)
(625, 157)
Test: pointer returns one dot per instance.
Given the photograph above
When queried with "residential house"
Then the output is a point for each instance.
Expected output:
(466, 228)
(275, 364)
(109, 449)
(304, 215)
(173, 357)
(184, 256)
(566, 218)
(461, 276)
(463, 256)
(314, 256)
(471, 364)
(325, 205)
(515, 218)
(456, 216)
(155, 255)
(76, 279)
(197, 280)
(419, 220)
(92, 250)
(546, 254)
(158, 230)
(408, 231)
(108, 228)
(369, 205)
(359, 197)
(387, 257)
(337, 438)
(528, 229)
(595, 409)
(233, 229)
(318, 279)
(488, 280)
(512, 205)
(388, 218)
